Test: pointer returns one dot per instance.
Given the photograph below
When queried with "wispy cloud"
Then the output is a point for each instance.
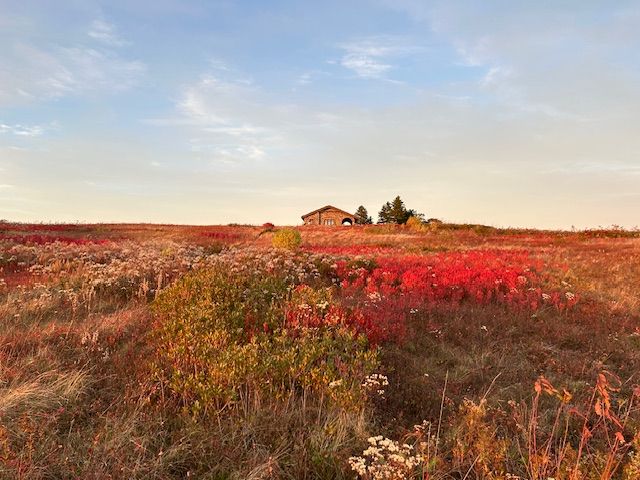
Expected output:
(304, 79)
(35, 71)
(106, 33)
(364, 64)
(370, 57)
(22, 130)
(551, 61)
(227, 118)
(492, 110)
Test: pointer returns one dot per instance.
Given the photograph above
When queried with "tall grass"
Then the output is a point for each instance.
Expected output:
(85, 379)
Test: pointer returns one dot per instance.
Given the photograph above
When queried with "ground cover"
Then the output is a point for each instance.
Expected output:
(163, 351)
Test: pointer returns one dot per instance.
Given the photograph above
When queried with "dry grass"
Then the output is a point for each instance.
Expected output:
(47, 391)
(77, 398)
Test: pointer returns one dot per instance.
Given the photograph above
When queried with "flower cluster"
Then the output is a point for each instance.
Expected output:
(65, 277)
(376, 383)
(386, 459)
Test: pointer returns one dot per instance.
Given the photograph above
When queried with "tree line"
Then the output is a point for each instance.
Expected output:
(394, 212)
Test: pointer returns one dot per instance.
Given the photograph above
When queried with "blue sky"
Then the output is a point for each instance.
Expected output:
(498, 112)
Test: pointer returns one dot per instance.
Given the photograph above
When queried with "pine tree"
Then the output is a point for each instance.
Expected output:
(362, 216)
(384, 216)
(398, 213)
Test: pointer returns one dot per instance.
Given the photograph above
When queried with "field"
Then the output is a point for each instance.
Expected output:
(391, 352)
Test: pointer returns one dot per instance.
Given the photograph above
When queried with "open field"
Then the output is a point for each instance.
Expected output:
(159, 351)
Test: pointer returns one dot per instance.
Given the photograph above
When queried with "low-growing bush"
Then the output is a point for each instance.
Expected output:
(416, 224)
(222, 335)
(288, 238)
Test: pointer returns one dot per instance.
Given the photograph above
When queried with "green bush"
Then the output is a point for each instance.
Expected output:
(288, 238)
(222, 335)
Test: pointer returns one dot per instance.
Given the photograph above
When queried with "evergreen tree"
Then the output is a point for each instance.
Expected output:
(396, 212)
(384, 216)
(362, 216)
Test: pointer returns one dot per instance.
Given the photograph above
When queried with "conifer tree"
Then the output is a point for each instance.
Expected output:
(396, 212)
(384, 216)
(362, 216)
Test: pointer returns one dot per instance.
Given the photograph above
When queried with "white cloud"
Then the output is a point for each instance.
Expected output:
(232, 124)
(551, 60)
(31, 71)
(304, 79)
(365, 59)
(369, 57)
(22, 130)
(364, 65)
(106, 33)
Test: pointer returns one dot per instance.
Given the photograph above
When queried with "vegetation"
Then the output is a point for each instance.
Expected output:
(287, 238)
(221, 336)
(396, 212)
(391, 351)
(362, 216)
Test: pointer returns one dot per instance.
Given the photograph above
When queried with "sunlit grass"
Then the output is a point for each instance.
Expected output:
(505, 352)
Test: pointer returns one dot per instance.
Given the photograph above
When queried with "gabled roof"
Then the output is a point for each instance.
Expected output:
(326, 207)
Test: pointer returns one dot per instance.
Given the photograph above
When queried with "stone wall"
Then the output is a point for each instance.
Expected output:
(329, 217)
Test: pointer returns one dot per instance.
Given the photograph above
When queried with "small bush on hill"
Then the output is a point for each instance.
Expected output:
(287, 238)
(416, 224)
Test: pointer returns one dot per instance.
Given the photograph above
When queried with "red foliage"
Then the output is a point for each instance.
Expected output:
(351, 250)
(221, 235)
(377, 324)
(480, 276)
(40, 227)
(377, 300)
(14, 278)
(44, 239)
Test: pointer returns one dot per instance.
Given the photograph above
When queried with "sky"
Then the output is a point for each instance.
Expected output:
(521, 114)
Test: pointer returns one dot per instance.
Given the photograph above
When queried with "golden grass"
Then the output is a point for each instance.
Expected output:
(47, 391)
(113, 420)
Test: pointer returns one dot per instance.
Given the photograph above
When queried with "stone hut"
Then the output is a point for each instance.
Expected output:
(330, 216)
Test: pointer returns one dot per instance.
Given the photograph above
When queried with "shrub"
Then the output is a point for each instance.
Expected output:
(222, 335)
(434, 224)
(416, 224)
(288, 238)
(266, 228)
(479, 276)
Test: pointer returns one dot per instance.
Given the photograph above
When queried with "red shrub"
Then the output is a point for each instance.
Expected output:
(351, 250)
(221, 235)
(44, 239)
(480, 276)
(378, 323)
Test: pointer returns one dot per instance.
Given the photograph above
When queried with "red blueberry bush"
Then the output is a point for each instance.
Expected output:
(511, 278)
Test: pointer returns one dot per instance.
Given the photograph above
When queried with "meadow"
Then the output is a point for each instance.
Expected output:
(375, 352)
